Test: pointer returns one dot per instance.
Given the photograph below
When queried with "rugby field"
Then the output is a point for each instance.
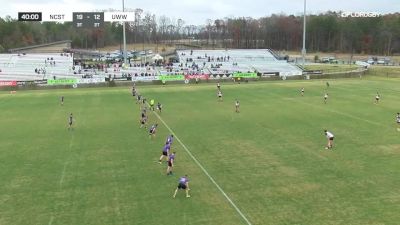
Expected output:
(264, 165)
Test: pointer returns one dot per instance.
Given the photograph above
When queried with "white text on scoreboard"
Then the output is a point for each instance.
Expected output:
(119, 16)
(56, 17)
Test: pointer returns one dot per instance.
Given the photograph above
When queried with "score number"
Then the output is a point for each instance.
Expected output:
(88, 19)
(29, 16)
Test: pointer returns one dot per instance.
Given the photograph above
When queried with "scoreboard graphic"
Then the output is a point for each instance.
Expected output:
(79, 19)
(88, 20)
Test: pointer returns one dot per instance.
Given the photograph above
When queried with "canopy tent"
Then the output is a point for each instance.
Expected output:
(157, 57)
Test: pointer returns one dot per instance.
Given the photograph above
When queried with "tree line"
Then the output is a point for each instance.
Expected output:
(326, 32)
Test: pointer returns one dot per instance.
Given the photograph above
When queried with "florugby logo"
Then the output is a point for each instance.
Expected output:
(360, 14)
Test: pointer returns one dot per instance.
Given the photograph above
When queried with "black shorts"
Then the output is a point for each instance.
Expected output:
(169, 163)
(142, 122)
(165, 153)
(70, 123)
(331, 139)
(182, 186)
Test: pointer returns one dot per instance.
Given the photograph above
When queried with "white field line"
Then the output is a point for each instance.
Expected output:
(51, 220)
(66, 163)
(63, 174)
(204, 170)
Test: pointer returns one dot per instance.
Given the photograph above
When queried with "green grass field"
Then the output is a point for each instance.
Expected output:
(269, 158)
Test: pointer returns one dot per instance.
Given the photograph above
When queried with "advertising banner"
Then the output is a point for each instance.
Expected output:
(62, 81)
(171, 77)
(145, 78)
(8, 83)
(197, 76)
(245, 75)
(91, 80)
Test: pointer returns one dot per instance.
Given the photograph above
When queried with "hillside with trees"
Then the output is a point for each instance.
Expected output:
(327, 32)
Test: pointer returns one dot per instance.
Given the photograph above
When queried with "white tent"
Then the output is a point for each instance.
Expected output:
(157, 57)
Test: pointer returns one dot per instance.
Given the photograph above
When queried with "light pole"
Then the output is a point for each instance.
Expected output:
(303, 51)
(123, 32)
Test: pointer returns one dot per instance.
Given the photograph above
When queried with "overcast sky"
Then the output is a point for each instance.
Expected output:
(198, 11)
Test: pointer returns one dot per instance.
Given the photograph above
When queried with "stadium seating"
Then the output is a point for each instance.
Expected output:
(235, 60)
(35, 66)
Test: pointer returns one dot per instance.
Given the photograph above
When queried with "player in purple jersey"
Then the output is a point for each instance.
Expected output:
(170, 139)
(184, 185)
(165, 152)
(171, 161)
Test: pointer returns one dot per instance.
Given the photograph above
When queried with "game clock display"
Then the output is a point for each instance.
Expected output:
(29, 16)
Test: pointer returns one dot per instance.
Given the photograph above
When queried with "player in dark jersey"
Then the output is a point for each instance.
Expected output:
(159, 107)
(143, 121)
(165, 152)
(70, 121)
(152, 131)
(398, 121)
(171, 161)
(143, 114)
(133, 91)
(62, 100)
(184, 185)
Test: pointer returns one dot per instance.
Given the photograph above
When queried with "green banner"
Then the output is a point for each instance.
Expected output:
(245, 75)
(171, 77)
(62, 81)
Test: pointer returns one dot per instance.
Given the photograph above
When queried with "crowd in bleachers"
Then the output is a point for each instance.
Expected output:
(213, 62)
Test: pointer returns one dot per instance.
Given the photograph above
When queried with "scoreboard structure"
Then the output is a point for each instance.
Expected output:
(79, 19)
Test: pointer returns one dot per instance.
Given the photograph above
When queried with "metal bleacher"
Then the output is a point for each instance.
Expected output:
(21, 67)
(263, 61)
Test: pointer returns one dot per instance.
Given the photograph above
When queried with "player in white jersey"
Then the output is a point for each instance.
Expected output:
(330, 138)
(326, 96)
(219, 96)
(377, 97)
(302, 91)
(237, 105)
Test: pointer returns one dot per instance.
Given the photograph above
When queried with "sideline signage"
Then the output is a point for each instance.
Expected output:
(197, 76)
(8, 83)
(172, 77)
(245, 75)
(91, 80)
(62, 82)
